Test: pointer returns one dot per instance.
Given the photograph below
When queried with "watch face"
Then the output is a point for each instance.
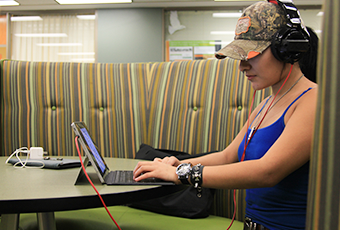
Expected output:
(183, 169)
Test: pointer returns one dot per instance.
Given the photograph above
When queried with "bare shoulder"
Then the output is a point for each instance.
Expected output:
(305, 107)
(308, 97)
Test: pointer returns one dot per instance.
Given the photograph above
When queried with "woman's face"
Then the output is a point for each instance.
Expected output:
(264, 70)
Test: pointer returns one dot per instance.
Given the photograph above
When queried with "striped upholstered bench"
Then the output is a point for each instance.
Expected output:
(191, 106)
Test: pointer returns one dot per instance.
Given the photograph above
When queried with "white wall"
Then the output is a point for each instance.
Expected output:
(129, 35)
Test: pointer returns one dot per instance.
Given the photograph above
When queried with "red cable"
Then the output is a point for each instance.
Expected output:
(232, 220)
(88, 178)
(246, 142)
(234, 197)
(242, 158)
(252, 134)
(248, 125)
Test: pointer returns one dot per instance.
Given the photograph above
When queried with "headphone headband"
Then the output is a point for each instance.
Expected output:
(290, 43)
(292, 14)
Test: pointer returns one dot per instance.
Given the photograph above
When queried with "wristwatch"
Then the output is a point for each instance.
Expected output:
(183, 172)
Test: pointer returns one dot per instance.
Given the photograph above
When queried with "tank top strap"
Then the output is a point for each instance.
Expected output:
(284, 113)
(260, 110)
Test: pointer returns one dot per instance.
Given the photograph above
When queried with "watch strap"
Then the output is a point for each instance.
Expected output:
(184, 180)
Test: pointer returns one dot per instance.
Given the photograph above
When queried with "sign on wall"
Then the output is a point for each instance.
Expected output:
(191, 50)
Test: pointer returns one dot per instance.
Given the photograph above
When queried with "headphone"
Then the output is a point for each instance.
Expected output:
(291, 42)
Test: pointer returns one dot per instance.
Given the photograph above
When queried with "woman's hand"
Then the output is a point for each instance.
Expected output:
(169, 160)
(156, 168)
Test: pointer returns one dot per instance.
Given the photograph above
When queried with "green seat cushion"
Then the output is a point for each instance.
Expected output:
(128, 219)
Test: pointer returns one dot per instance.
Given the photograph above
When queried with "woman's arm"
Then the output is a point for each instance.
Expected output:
(166, 168)
(290, 152)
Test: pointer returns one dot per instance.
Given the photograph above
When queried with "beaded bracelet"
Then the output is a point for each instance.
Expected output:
(197, 178)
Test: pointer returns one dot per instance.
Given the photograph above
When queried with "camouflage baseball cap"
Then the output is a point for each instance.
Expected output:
(254, 31)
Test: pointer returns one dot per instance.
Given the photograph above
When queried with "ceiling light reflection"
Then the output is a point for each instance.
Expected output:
(9, 3)
(86, 17)
(59, 44)
(26, 18)
(42, 35)
(79, 53)
(91, 1)
(227, 15)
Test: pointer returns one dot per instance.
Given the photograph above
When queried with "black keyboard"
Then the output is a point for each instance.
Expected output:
(122, 177)
(126, 177)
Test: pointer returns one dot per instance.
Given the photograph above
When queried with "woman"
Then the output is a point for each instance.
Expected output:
(270, 156)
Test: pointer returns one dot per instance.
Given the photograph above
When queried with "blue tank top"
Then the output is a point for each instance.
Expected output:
(282, 206)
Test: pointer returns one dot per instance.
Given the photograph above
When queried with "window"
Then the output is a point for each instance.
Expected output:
(53, 38)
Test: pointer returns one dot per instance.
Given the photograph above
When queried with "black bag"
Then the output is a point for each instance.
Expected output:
(182, 204)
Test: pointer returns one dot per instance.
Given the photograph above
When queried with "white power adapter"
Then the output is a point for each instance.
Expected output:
(36, 153)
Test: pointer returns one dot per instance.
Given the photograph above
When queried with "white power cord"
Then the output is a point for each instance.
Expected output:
(24, 162)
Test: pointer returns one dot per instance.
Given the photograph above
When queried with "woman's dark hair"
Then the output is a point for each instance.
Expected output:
(308, 61)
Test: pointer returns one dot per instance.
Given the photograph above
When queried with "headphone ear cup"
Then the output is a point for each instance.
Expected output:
(275, 46)
(289, 44)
